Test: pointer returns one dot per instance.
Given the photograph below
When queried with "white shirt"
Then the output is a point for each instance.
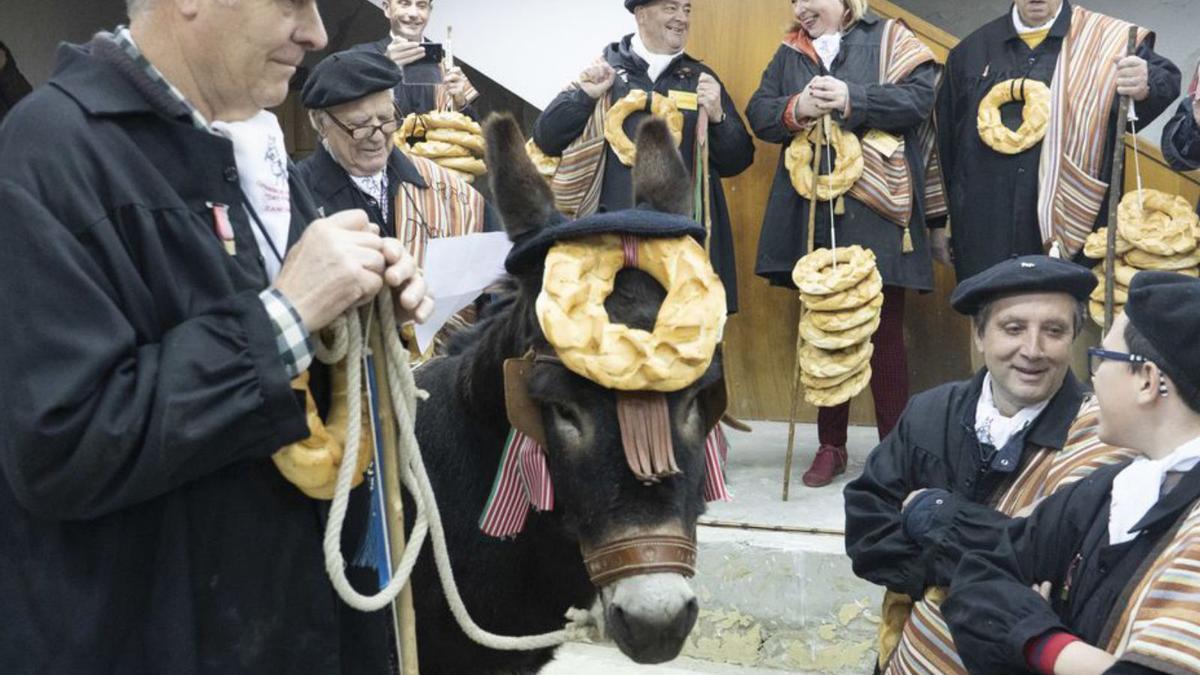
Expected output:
(657, 62)
(261, 158)
(992, 427)
(1022, 28)
(375, 187)
(828, 47)
(1138, 487)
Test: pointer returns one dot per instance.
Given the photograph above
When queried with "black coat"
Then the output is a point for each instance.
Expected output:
(993, 612)
(334, 190)
(144, 527)
(1181, 140)
(418, 93)
(896, 108)
(731, 150)
(935, 446)
(13, 85)
(992, 196)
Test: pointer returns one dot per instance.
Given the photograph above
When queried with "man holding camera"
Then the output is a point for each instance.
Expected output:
(429, 83)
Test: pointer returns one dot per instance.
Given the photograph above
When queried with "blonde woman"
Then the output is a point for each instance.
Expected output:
(829, 65)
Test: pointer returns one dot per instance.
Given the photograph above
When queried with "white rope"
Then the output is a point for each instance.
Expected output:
(832, 207)
(428, 520)
(1137, 163)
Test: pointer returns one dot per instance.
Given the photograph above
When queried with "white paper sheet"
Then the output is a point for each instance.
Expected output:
(457, 269)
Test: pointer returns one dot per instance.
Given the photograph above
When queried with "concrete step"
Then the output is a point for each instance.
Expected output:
(589, 659)
(774, 601)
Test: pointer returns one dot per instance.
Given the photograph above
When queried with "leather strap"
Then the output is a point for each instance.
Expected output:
(640, 555)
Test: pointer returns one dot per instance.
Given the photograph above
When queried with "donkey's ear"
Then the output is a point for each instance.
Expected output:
(660, 178)
(522, 196)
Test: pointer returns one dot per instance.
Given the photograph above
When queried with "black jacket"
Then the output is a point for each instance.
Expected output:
(13, 85)
(935, 446)
(143, 525)
(1181, 140)
(992, 196)
(731, 150)
(896, 108)
(418, 93)
(334, 190)
(992, 611)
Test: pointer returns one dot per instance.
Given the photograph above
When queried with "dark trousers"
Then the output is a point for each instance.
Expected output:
(889, 376)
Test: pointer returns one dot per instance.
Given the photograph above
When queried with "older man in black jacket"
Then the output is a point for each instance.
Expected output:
(652, 59)
(163, 271)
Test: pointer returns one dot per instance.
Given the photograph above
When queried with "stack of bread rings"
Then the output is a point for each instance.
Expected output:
(614, 121)
(840, 312)
(450, 139)
(1158, 232)
(1035, 96)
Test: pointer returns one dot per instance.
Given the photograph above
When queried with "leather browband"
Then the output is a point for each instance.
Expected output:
(640, 555)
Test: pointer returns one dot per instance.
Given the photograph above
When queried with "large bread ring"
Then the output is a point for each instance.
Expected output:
(312, 464)
(546, 165)
(823, 363)
(1120, 293)
(816, 274)
(467, 165)
(1097, 243)
(1175, 263)
(1161, 223)
(438, 149)
(1096, 308)
(1035, 114)
(848, 299)
(614, 121)
(579, 276)
(841, 340)
(839, 394)
(833, 322)
(811, 382)
(447, 119)
(847, 164)
(472, 142)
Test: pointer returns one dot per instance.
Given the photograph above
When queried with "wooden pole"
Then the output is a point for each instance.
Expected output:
(1116, 187)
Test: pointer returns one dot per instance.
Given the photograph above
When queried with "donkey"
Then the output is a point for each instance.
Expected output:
(524, 586)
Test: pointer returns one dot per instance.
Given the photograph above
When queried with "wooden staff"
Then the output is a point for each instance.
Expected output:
(1115, 188)
(812, 239)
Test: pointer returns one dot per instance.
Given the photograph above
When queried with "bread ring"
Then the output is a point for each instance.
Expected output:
(819, 363)
(447, 119)
(472, 142)
(1120, 293)
(312, 464)
(841, 340)
(1161, 223)
(1097, 243)
(1035, 114)
(839, 394)
(1175, 263)
(579, 276)
(1096, 308)
(833, 322)
(815, 273)
(437, 149)
(614, 121)
(546, 165)
(848, 299)
(811, 382)
(847, 163)
(467, 165)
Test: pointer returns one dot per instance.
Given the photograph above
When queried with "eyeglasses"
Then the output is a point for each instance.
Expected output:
(362, 133)
(1096, 356)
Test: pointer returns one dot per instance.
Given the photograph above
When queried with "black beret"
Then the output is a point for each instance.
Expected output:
(1165, 308)
(631, 4)
(348, 76)
(640, 222)
(1026, 274)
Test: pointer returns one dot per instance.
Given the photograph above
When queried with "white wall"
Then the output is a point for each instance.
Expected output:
(531, 47)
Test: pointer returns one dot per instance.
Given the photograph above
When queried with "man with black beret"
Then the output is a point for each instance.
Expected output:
(357, 165)
(966, 457)
(1101, 576)
(652, 59)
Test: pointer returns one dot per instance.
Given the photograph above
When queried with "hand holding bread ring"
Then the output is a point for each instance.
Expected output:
(832, 94)
(597, 79)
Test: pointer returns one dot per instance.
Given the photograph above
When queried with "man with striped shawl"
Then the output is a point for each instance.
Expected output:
(591, 175)
(967, 457)
(1102, 577)
(1022, 178)
(357, 166)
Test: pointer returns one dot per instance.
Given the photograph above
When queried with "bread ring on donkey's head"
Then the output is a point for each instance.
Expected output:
(580, 274)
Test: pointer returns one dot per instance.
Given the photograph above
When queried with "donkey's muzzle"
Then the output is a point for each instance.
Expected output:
(650, 616)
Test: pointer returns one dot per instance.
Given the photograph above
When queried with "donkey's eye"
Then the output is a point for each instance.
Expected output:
(566, 421)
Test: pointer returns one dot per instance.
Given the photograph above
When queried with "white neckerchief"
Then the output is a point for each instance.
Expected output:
(992, 427)
(1137, 488)
(828, 47)
(656, 63)
(1023, 29)
(261, 159)
(375, 186)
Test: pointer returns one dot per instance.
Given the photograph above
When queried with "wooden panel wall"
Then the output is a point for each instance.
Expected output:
(738, 38)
